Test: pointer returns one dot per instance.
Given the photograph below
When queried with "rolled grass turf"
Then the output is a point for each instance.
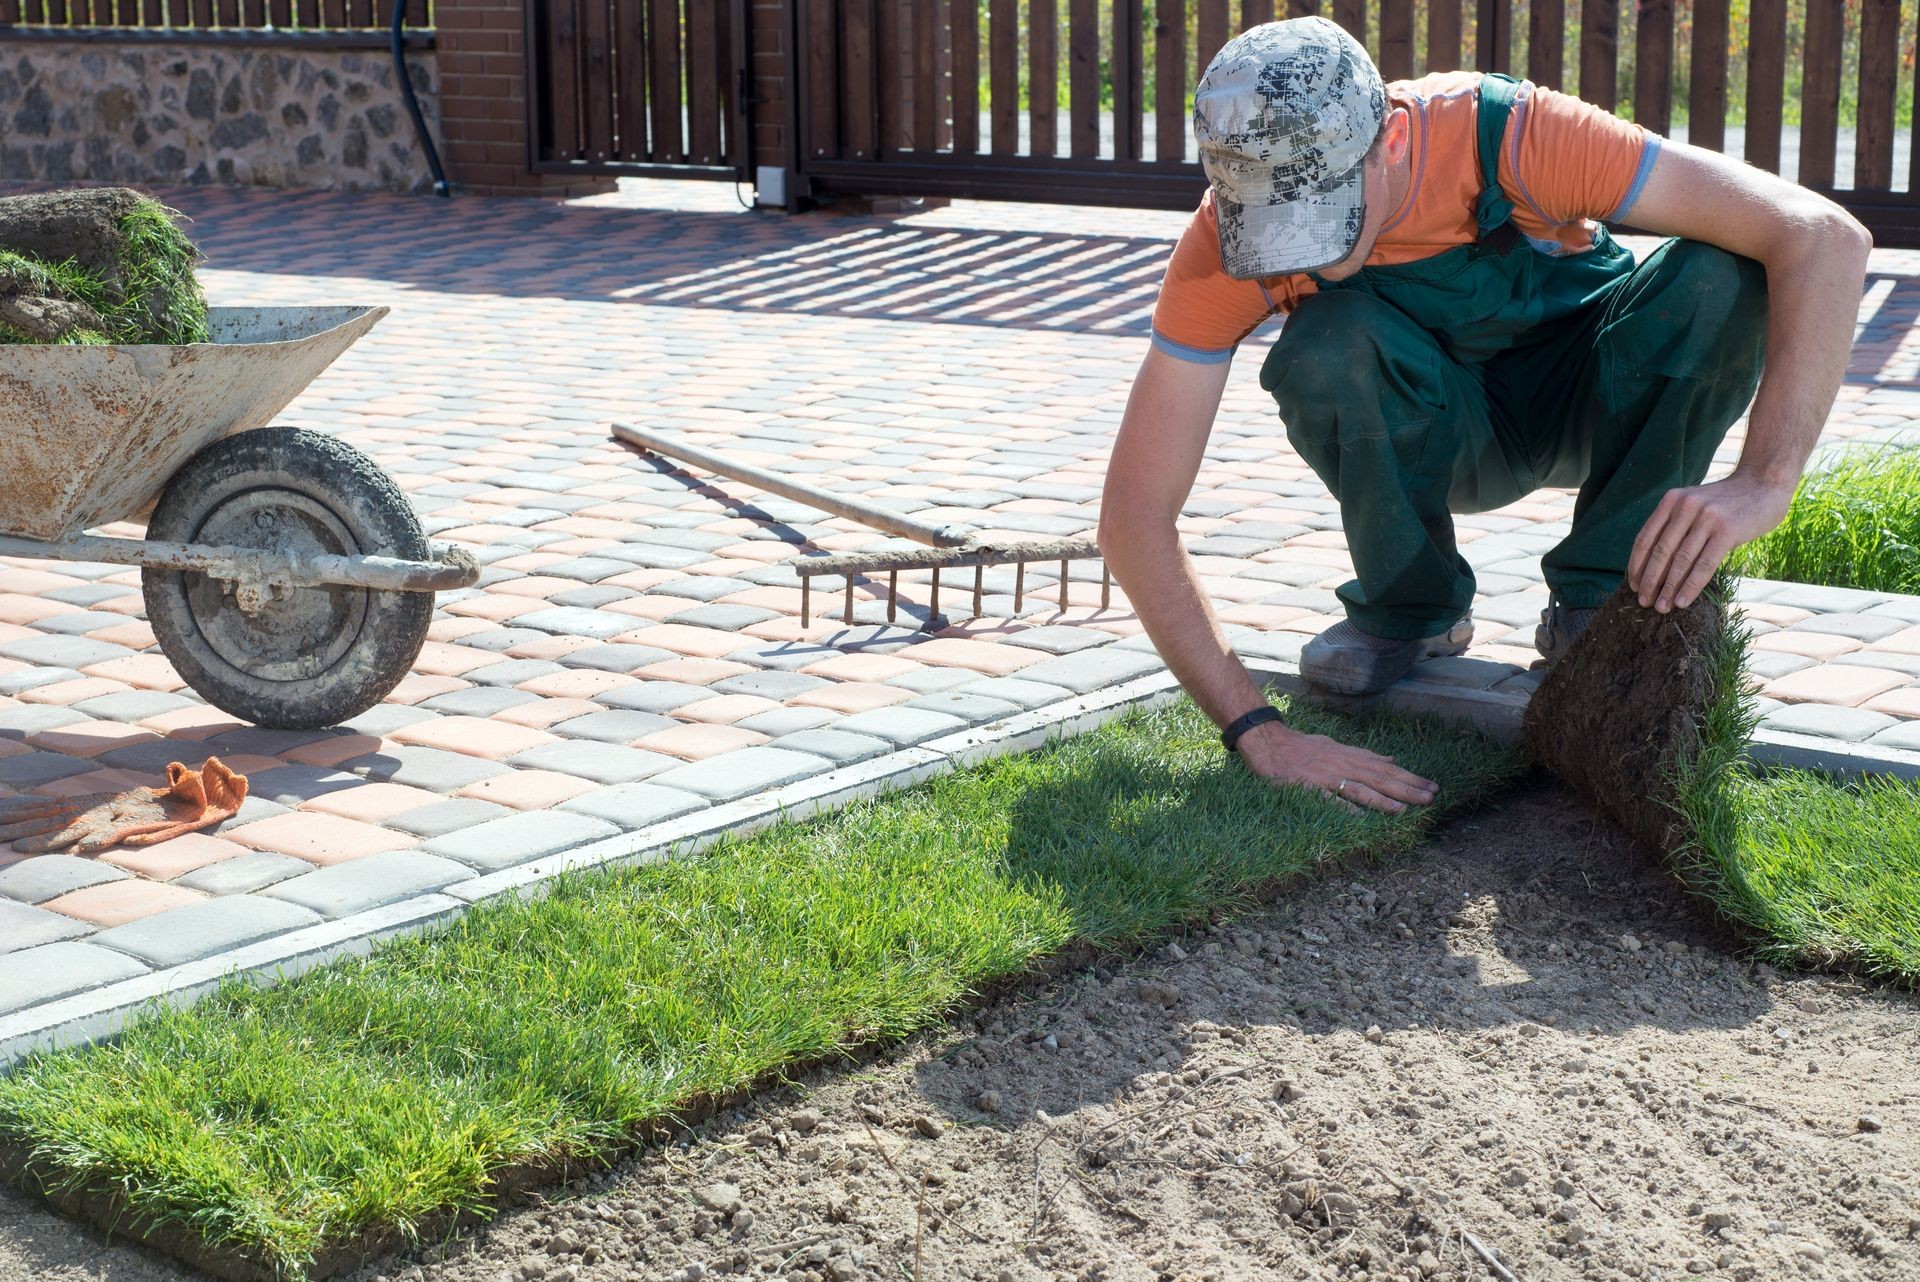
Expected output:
(355, 1108)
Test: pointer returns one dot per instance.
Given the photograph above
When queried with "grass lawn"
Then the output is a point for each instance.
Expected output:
(366, 1100)
(1855, 524)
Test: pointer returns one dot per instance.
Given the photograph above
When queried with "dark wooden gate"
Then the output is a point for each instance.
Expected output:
(647, 87)
(1087, 101)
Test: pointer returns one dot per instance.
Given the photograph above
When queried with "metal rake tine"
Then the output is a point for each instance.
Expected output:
(1019, 584)
(978, 572)
(806, 602)
(847, 614)
(1063, 587)
(893, 594)
(933, 602)
(1106, 586)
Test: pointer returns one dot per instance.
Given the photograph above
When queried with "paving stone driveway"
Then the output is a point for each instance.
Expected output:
(634, 651)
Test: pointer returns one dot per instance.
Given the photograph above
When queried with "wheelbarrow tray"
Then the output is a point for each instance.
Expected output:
(90, 435)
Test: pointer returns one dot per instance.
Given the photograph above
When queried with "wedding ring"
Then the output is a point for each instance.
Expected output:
(1341, 790)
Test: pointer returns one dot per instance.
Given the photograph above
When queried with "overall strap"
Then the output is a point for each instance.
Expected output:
(1497, 93)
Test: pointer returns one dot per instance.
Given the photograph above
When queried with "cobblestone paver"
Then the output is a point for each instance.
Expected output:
(634, 653)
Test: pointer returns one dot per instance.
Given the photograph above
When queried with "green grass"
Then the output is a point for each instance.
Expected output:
(159, 301)
(1853, 524)
(1821, 872)
(375, 1095)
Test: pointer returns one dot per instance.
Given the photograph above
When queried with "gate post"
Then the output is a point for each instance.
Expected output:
(772, 50)
(483, 103)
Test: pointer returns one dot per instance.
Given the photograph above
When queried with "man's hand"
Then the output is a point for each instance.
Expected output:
(1351, 774)
(1691, 532)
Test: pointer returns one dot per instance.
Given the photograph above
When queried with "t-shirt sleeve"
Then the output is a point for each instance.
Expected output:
(1203, 313)
(1567, 160)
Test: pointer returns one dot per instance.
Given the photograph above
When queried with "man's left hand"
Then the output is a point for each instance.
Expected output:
(1692, 531)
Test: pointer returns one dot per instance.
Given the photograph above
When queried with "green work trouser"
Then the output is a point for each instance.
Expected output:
(1626, 400)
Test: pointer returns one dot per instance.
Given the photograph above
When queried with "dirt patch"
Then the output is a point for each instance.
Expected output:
(96, 264)
(1527, 1036)
(1623, 706)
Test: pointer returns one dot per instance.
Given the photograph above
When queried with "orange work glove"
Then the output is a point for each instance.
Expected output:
(192, 800)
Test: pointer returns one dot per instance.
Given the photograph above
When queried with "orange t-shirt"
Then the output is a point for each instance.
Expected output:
(1563, 163)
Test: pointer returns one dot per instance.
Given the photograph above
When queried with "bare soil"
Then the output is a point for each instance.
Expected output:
(1524, 1045)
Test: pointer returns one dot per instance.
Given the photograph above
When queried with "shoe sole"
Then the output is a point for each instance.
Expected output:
(1346, 677)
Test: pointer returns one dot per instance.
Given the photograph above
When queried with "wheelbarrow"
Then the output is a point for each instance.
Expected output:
(286, 576)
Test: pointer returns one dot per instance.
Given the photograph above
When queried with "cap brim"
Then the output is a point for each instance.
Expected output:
(1300, 235)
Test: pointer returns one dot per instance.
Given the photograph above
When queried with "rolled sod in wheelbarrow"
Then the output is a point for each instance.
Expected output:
(97, 265)
(1620, 714)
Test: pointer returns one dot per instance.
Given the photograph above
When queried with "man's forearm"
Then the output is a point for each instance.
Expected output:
(1160, 583)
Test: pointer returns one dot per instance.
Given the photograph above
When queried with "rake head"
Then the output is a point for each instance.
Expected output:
(857, 565)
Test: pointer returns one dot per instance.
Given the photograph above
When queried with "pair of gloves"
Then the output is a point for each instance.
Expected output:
(192, 800)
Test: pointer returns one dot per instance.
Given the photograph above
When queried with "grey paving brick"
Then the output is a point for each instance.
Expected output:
(22, 926)
(590, 597)
(654, 696)
(22, 720)
(975, 709)
(900, 725)
(769, 685)
(243, 874)
(1850, 724)
(1060, 639)
(383, 719)
(447, 816)
(1227, 545)
(588, 569)
(79, 622)
(500, 639)
(88, 593)
(502, 843)
(1906, 609)
(1772, 664)
(1277, 647)
(31, 768)
(1887, 659)
(1515, 609)
(62, 652)
(1861, 627)
(1298, 574)
(52, 971)
(600, 762)
(1904, 735)
(1823, 600)
(725, 618)
(931, 680)
(131, 705)
(360, 884)
(153, 755)
(187, 934)
(1015, 690)
(290, 785)
(253, 810)
(27, 678)
(836, 746)
(635, 805)
(1091, 669)
(427, 768)
(652, 556)
(1463, 672)
(781, 656)
(692, 539)
(779, 721)
(617, 656)
(479, 701)
(701, 587)
(1522, 682)
(743, 771)
(566, 621)
(512, 672)
(619, 725)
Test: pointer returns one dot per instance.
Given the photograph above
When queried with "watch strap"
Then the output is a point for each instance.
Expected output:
(1246, 721)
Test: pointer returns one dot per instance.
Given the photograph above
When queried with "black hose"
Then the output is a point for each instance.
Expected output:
(413, 103)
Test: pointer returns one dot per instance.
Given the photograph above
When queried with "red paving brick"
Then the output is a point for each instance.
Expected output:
(173, 858)
(474, 736)
(319, 838)
(115, 903)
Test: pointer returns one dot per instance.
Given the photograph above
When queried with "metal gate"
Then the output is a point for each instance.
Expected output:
(1086, 101)
(644, 87)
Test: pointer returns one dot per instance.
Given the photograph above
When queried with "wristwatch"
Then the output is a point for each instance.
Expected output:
(1246, 721)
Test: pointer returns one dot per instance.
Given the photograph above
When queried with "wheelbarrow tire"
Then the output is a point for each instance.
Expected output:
(318, 656)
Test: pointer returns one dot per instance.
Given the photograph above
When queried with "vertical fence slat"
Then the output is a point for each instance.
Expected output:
(9, 12)
(925, 121)
(1210, 32)
(663, 50)
(333, 13)
(1653, 65)
(1879, 75)
(1396, 39)
(1129, 78)
(1255, 12)
(1707, 86)
(563, 61)
(966, 77)
(1003, 75)
(253, 14)
(630, 66)
(1043, 77)
(1493, 35)
(1083, 75)
(1443, 35)
(151, 12)
(889, 111)
(596, 78)
(1600, 52)
(820, 20)
(1546, 42)
(1766, 81)
(1352, 14)
(1302, 8)
(1170, 85)
(1820, 93)
(703, 82)
(860, 136)
(282, 14)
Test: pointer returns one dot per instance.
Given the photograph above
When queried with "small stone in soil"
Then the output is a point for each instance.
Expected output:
(1868, 1122)
(928, 1126)
(723, 1199)
(806, 1121)
(988, 1102)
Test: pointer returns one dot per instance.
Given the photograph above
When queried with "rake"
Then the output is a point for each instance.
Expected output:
(946, 547)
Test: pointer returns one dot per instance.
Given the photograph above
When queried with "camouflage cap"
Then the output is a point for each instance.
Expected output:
(1284, 116)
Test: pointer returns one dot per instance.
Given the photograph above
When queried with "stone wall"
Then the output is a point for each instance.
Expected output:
(267, 115)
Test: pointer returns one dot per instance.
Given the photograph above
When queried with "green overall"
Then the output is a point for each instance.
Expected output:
(1462, 382)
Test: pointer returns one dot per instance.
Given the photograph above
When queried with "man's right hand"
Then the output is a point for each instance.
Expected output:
(1354, 775)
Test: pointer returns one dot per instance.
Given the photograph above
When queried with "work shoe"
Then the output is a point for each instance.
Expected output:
(1346, 660)
(1560, 626)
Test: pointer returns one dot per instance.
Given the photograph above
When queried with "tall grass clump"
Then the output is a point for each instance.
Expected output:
(1853, 524)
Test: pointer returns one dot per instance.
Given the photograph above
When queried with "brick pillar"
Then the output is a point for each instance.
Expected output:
(768, 36)
(480, 45)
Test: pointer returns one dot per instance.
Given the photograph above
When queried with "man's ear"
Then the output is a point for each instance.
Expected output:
(1399, 136)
